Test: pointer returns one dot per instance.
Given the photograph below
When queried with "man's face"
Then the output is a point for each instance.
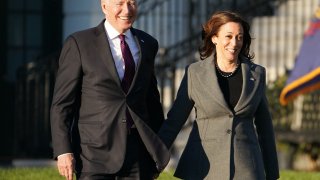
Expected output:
(120, 13)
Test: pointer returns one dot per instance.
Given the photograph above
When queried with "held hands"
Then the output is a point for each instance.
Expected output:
(66, 164)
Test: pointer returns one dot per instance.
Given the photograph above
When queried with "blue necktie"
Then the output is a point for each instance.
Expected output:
(128, 72)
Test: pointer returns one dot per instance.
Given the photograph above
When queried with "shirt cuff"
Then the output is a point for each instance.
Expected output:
(64, 154)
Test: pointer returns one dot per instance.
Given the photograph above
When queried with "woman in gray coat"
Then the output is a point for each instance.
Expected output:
(233, 136)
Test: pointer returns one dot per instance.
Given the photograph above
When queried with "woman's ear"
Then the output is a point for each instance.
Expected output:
(214, 40)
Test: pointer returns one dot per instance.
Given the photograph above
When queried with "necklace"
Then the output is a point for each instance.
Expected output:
(223, 73)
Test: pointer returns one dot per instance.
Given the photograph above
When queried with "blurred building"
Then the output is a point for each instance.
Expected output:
(31, 30)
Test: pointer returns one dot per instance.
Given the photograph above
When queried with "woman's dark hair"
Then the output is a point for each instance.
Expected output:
(212, 28)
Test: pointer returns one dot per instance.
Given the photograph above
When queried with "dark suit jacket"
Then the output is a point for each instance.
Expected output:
(88, 108)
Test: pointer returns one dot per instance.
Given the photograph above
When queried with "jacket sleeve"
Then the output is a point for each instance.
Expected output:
(263, 122)
(178, 114)
(154, 106)
(66, 97)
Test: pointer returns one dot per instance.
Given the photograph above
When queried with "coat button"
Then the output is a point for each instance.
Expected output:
(158, 167)
(124, 120)
(229, 131)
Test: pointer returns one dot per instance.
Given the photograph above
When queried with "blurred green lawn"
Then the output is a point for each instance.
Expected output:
(52, 174)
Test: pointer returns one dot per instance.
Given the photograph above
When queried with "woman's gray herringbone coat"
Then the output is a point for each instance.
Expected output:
(224, 144)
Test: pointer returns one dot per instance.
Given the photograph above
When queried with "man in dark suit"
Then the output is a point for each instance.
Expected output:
(106, 108)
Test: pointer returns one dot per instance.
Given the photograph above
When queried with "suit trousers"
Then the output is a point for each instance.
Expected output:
(137, 165)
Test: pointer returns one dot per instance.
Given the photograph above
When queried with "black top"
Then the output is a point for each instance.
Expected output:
(231, 87)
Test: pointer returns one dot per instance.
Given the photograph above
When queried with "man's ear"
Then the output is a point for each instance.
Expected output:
(104, 6)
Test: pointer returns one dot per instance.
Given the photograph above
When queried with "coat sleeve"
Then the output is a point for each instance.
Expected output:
(178, 114)
(66, 97)
(263, 122)
(154, 105)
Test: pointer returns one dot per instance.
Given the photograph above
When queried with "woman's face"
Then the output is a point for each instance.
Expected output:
(229, 41)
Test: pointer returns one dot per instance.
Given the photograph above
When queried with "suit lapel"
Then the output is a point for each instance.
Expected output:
(210, 82)
(102, 44)
(250, 83)
(141, 46)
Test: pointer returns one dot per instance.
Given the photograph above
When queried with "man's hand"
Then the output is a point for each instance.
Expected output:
(66, 164)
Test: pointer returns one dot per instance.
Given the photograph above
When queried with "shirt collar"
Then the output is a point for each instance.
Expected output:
(113, 33)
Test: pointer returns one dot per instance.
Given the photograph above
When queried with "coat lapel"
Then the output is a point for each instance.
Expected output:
(102, 44)
(103, 47)
(250, 84)
(210, 82)
(141, 46)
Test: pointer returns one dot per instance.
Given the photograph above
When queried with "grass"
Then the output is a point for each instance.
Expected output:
(29, 174)
(296, 175)
(49, 173)
(46, 173)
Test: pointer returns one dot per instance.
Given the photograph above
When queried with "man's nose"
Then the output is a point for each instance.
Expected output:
(127, 8)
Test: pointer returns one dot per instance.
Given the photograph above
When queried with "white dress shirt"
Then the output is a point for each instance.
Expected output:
(114, 41)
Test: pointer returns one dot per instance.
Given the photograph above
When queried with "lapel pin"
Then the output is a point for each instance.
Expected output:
(252, 79)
